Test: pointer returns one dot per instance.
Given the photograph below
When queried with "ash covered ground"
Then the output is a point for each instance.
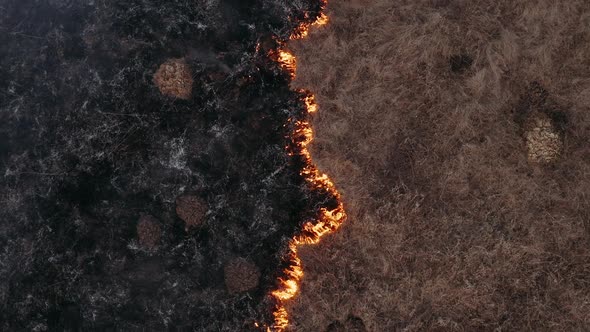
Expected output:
(144, 180)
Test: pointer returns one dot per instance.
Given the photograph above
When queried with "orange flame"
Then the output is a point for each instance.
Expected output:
(287, 60)
(322, 20)
(329, 220)
(303, 30)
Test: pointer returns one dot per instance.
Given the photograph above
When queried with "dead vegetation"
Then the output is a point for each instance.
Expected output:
(543, 141)
(149, 231)
(241, 275)
(351, 324)
(191, 209)
(174, 79)
(458, 134)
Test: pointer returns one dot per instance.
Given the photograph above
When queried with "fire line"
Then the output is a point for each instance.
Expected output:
(329, 220)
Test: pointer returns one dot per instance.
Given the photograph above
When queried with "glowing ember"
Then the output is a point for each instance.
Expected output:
(329, 220)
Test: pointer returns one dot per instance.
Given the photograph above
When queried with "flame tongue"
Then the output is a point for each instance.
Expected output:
(303, 30)
(329, 220)
(288, 62)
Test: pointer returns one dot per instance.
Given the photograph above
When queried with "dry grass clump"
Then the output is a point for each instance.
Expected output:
(543, 122)
(241, 275)
(174, 79)
(191, 209)
(148, 231)
(426, 110)
(544, 143)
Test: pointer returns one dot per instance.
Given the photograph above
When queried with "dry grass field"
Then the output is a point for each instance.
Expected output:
(458, 133)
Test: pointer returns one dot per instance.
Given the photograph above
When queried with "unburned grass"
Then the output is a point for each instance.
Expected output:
(423, 127)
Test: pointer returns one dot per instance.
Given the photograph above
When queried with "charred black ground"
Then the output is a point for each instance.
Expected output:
(89, 147)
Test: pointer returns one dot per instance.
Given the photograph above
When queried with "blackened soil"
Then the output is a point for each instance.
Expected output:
(89, 146)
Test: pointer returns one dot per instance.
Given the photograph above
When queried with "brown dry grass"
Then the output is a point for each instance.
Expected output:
(422, 125)
(174, 79)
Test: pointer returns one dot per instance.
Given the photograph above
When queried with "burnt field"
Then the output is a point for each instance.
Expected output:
(145, 183)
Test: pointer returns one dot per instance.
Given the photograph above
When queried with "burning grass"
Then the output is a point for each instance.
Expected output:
(329, 218)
